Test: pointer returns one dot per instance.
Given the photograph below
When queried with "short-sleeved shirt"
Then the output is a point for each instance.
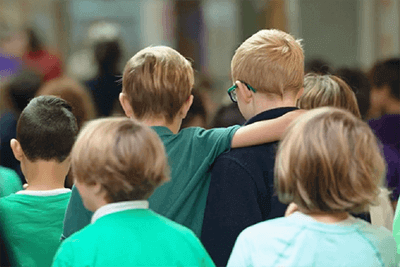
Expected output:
(191, 153)
(9, 182)
(299, 240)
(129, 234)
(396, 227)
(32, 222)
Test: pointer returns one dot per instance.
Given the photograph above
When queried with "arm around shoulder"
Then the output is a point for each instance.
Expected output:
(264, 131)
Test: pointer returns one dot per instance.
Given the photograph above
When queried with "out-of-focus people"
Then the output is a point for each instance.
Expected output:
(385, 102)
(197, 115)
(227, 116)
(106, 86)
(15, 95)
(75, 94)
(359, 83)
(318, 65)
(9, 182)
(39, 58)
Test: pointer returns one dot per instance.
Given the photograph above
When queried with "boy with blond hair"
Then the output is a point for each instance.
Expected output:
(117, 164)
(268, 72)
(157, 84)
(33, 218)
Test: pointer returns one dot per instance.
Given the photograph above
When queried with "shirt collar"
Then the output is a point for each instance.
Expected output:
(44, 193)
(270, 114)
(119, 206)
(162, 130)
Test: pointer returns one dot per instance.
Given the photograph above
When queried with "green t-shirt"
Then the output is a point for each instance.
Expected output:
(183, 199)
(9, 182)
(32, 222)
(396, 227)
(133, 237)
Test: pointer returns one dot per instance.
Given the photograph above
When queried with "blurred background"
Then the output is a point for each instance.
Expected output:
(352, 33)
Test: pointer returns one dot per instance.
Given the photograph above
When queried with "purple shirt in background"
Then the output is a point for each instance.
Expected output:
(387, 129)
(8, 65)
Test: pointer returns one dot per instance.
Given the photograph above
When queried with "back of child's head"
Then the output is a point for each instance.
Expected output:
(329, 161)
(47, 129)
(157, 81)
(125, 157)
(387, 73)
(75, 94)
(327, 90)
(271, 61)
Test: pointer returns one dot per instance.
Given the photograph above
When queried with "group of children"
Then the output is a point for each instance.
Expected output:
(141, 185)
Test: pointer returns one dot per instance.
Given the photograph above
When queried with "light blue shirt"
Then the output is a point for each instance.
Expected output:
(299, 240)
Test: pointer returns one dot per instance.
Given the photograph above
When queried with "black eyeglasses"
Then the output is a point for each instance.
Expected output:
(232, 91)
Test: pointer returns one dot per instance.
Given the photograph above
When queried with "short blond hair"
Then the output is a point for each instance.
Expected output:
(271, 61)
(328, 90)
(126, 157)
(329, 161)
(157, 80)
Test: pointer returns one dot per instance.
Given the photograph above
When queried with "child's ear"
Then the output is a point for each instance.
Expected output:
(186, 106)
(126, 105)
(243, 91)
(17, 149)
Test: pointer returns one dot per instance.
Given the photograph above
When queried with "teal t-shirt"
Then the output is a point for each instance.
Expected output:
(133, 237)
(9, 182)
(299, 240)
(33, 225)
(396, 227)
(183, 199)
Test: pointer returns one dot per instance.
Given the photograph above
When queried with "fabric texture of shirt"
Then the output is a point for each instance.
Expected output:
(396, 227)
(241, 193)
(129, 234)
(32, 222)
(190, 155)
(9, 182)
(299, 240)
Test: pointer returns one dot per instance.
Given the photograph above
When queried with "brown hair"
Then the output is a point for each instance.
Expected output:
(329, 161)
(157, 81)
(75, 94)
(271, 61)
(124, 156)
(328, 90)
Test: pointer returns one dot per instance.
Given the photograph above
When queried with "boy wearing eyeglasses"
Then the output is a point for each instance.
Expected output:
(268, 71)
(157, 84)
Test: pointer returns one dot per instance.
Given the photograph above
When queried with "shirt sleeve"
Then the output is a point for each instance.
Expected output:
(215, 141)
(232, 205)
(76, 216)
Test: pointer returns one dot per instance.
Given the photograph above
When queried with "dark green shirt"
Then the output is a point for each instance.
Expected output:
(190, 155)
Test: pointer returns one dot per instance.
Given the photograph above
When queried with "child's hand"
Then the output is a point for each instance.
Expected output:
(292, 208)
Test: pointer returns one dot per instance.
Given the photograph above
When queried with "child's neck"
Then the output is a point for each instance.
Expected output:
(45, 175)
(328, 217)
(174, 126)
